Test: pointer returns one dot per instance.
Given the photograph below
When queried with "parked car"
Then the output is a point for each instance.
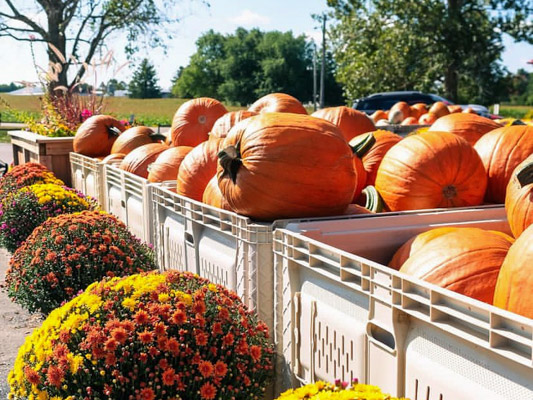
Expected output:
(384, 101)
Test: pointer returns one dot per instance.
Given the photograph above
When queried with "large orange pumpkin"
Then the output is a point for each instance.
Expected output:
(138, 160)
(469, 126)
(193, 121)
(167, 164)
(403, 107)
(440, 109)
(197, 168)
(513, 288)
(501, 150)
(351, 122)
(519, 197)
(132, 138)
(431, 170)
(223, 125)
(278, 102)
(213, 196)
(96, 135)
(286, 166)
(464, 260)
(372, 157)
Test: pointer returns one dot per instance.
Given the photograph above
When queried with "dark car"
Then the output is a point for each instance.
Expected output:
(384, 101)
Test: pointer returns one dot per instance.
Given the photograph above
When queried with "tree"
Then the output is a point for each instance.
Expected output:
(9, 88)
(113, 85)
(248, 64)
(450, 46)
(80, 28)
(144, 82)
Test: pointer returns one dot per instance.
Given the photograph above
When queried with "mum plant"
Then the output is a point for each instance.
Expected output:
(69, 252)
(339, 391)
(27, 208)
(148, 336)
(25, 175)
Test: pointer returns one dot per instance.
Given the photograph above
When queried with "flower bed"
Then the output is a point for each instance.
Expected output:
(26, 175)
(149, 336)
(338, 391)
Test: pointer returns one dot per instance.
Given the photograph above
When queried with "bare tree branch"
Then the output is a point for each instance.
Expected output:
(18, 16)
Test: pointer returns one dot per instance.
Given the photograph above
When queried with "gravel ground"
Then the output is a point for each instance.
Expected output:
(15, 325)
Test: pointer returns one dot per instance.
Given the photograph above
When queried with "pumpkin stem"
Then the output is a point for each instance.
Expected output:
(158, 136)
(362, 145)
(230, 160)
(449, 192)
(113, 131)
(517, 122)
(374, 201)
(525, 175)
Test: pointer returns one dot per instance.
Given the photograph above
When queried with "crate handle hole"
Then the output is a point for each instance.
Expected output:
(189, 238)
(381, 335)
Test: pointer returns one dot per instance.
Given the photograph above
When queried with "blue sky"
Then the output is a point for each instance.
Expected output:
(222, 16)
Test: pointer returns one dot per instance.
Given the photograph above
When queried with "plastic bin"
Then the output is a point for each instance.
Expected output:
(88, 176)
(127, 196)
(341, 316)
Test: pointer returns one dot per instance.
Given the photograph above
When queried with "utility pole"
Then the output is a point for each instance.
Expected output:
(314, 77)
(323, 69)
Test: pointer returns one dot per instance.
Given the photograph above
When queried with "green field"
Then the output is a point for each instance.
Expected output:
(150, 112)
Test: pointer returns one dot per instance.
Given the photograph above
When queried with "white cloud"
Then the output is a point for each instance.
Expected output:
(248, 18)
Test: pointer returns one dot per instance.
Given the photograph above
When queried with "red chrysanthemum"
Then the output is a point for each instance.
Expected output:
(179, 317)
(146, 337)
(255, 352)
(221, 369)
(147, 394)
(206, 369)
(31, 375)
(169, 376)
(141, 317)
(119, 334)
(208, 391)
(55, 375)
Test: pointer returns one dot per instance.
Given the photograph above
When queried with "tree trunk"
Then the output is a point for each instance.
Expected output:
(451, 82)
(451, 76)
(58, 40)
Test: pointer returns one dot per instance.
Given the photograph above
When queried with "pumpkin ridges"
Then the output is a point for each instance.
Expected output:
(224, 124)
(94, 137)
(132, 138)
(519, 200)
(278, 102)
(166, 165)
(137, 160)
(351, 122)
(469, 126)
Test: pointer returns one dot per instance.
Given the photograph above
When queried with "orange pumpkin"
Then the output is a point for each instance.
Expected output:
(193, 121)
(132, 138)
(223, 125)
(469, 126)
(418, 109)
(360, 147)
(464, 260)
(96, 135)
(519, 197)
(378, 115)
(403, 107)
(431, 170)
(501, 150)
(213, 196)
(278, 102)
(469, 110)
(454, 108)
(410, 121)
(513, 288)
(427, 119)
(167, 164)
(384, 140)
(138, 160)
(356, 209)
(440, 109)
(197, 169)
(286, 166)
(351, 122)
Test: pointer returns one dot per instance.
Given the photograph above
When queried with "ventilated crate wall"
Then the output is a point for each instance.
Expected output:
(339, 315)
(222, 246)
(127, 196)
(87, 175)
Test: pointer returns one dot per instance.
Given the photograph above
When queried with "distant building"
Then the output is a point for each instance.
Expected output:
(122, 93)
(28, 91)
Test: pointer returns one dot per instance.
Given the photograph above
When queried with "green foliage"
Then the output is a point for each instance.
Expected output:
(241, 67)
(143, 85)
(9, 88)
(450, 47)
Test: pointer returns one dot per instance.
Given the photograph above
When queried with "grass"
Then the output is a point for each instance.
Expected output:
(4, 138)
(518, 112)
(150, 112)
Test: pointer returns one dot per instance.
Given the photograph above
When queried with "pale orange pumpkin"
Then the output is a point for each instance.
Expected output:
(454, 108)
(132, 138)
(501, 150)
(403, 107)
(350, 122)
(427, 118)
(213, 196)
(138, 160)
(418, 109)
(519, 197)
(464, 260)
(278, 102)
(431, 170)
(223, 125)
(439, 108)
(167, 164)
(410, 121)
(193, 121)
(378, 115)
(469, 126)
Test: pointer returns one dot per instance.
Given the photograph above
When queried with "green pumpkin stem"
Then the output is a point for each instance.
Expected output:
(525, 175)
(113, 131)
(518, 122)
(363, 144)
(230, 160)
(158, 136)
(374, 202)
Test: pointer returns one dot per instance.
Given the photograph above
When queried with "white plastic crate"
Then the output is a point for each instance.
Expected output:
(340, 315)
(87, 176)
(219, 245)
(127, 196)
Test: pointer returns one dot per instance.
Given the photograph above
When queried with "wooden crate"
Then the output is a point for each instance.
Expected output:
(52, 152)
